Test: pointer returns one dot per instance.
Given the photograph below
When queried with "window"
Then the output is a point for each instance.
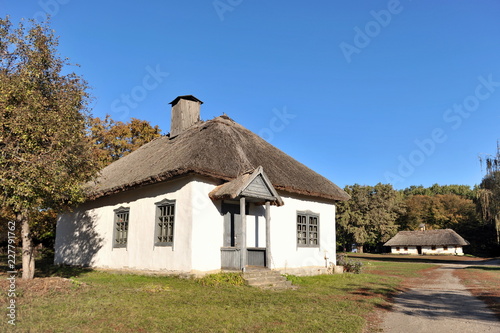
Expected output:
(164, 226)
(307, 229)
(406, 248)
(397, 248)
(445, 248)
(433, 247)
(121, 227)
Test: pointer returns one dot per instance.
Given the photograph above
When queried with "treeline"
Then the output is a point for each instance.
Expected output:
(377, 213)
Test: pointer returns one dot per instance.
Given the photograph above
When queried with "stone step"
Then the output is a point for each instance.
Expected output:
(266, 279)
(274, 284)
(261, 274)
(281, 285)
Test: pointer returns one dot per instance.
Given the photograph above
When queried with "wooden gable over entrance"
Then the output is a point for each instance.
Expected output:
(255, 186)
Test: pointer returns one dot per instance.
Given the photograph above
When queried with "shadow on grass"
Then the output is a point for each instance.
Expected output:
(44, 267)
(484, 268)
(387, 294)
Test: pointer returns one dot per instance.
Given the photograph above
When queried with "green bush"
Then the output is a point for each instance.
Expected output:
(350, 266)
(293, 278)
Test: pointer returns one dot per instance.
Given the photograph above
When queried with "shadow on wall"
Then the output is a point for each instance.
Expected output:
(77, 242)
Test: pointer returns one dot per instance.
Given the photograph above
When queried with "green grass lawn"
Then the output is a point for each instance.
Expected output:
(95, 301)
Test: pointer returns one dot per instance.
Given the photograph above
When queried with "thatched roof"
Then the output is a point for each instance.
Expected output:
(220, 149)
(427, 238)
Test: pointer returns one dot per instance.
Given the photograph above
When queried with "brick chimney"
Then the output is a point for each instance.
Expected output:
(185, 113)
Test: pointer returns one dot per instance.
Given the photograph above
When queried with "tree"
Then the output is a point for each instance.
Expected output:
(461, 190)
(369, 217)
(489, 201)
(115, 139)
(489, 191)
(45, 155)
(439, 211)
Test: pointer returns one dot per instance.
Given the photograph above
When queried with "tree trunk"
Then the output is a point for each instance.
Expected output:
(28, 250)
(359, 248)
(497, 227)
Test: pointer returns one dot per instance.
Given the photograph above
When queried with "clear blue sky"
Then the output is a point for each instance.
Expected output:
(402, 92)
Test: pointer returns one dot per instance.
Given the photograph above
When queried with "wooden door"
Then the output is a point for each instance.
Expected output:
(230, 252)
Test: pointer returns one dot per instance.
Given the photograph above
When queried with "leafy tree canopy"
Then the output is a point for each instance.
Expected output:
(439, 211)
(489, 191)
(115, 139)
(45, 154)
(369, 217)
(436, 189)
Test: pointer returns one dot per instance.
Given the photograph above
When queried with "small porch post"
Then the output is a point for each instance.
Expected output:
(243, 251)
(268, 234)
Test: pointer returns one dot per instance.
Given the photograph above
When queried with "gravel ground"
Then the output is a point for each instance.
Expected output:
(440, 304)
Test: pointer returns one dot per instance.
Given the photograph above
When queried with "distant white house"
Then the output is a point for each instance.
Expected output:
(441, 241)
(210, 195)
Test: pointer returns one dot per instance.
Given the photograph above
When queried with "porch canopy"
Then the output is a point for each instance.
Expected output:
(253, 186)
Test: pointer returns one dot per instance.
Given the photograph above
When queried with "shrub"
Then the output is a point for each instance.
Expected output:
(350, 266)
(293, 278)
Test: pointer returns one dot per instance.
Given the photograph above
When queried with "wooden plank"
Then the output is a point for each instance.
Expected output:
(230, 258)
(257, 257)
(258, 189)
(227, 230)
(243, 242)
(268, 234)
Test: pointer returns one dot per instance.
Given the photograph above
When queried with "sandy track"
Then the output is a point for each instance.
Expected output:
(440, 304)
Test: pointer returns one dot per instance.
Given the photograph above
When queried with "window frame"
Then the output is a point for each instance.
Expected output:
(307, 226)
(158, 228)
(120, 237)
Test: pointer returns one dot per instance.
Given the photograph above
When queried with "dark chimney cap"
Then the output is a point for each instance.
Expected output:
(188, 97)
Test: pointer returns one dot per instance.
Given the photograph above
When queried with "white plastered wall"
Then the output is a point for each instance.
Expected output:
(456, 250)
(284, 250)
(208, 227)
(441, 250)
(403, 250)
(256, 227)
(84, 236)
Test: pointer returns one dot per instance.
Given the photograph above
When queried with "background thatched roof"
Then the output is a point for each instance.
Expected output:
(427, 238)
(219, 148)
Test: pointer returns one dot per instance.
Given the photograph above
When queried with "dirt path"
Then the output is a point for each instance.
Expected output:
(440, 304)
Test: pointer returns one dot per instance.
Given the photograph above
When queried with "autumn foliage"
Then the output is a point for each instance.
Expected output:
(115, 139)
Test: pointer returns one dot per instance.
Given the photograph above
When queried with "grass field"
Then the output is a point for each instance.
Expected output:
(77, 300)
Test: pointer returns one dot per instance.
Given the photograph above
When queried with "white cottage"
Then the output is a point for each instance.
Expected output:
(211, 195)
(441, 241)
